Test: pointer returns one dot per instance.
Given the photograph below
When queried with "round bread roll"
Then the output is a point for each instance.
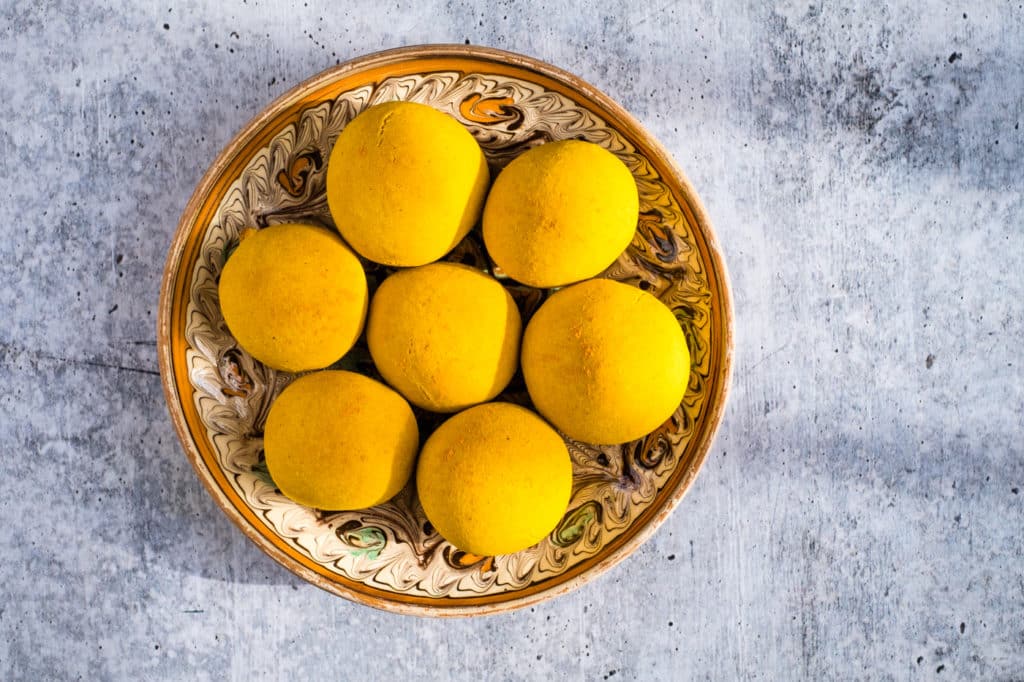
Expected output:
(605, 362)
(560, 213)
(494, 479)
(405, 183)
(339, 440)
(294, 296)
(446, 336)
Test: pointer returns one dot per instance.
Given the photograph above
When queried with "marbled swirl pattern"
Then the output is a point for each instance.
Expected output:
(392, 547)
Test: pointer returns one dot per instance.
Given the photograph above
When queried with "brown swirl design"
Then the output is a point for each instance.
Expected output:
(392, 547)
(293, 179)
(237, 382)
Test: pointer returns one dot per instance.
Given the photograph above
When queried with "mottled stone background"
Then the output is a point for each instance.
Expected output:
(861, 514)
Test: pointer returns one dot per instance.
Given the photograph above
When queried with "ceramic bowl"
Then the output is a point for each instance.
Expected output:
(389, 556)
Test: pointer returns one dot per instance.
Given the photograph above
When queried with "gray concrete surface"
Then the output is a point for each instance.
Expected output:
(861, 515)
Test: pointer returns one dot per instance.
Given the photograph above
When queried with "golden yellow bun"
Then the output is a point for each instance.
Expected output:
(340, 440)
(605, 362)
(446, 336)
(494, 479)
(560, 213)
(405, 183)
(294, 296)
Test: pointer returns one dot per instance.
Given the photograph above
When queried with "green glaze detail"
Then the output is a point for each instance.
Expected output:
(368, 541)
(263, 473)
(574, 525)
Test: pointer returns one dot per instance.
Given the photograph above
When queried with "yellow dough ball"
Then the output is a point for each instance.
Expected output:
(560, 213)
(605, 362)
(494, 479)
(339, 440)
(405, 183)
(294, 296)
(445, 335)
